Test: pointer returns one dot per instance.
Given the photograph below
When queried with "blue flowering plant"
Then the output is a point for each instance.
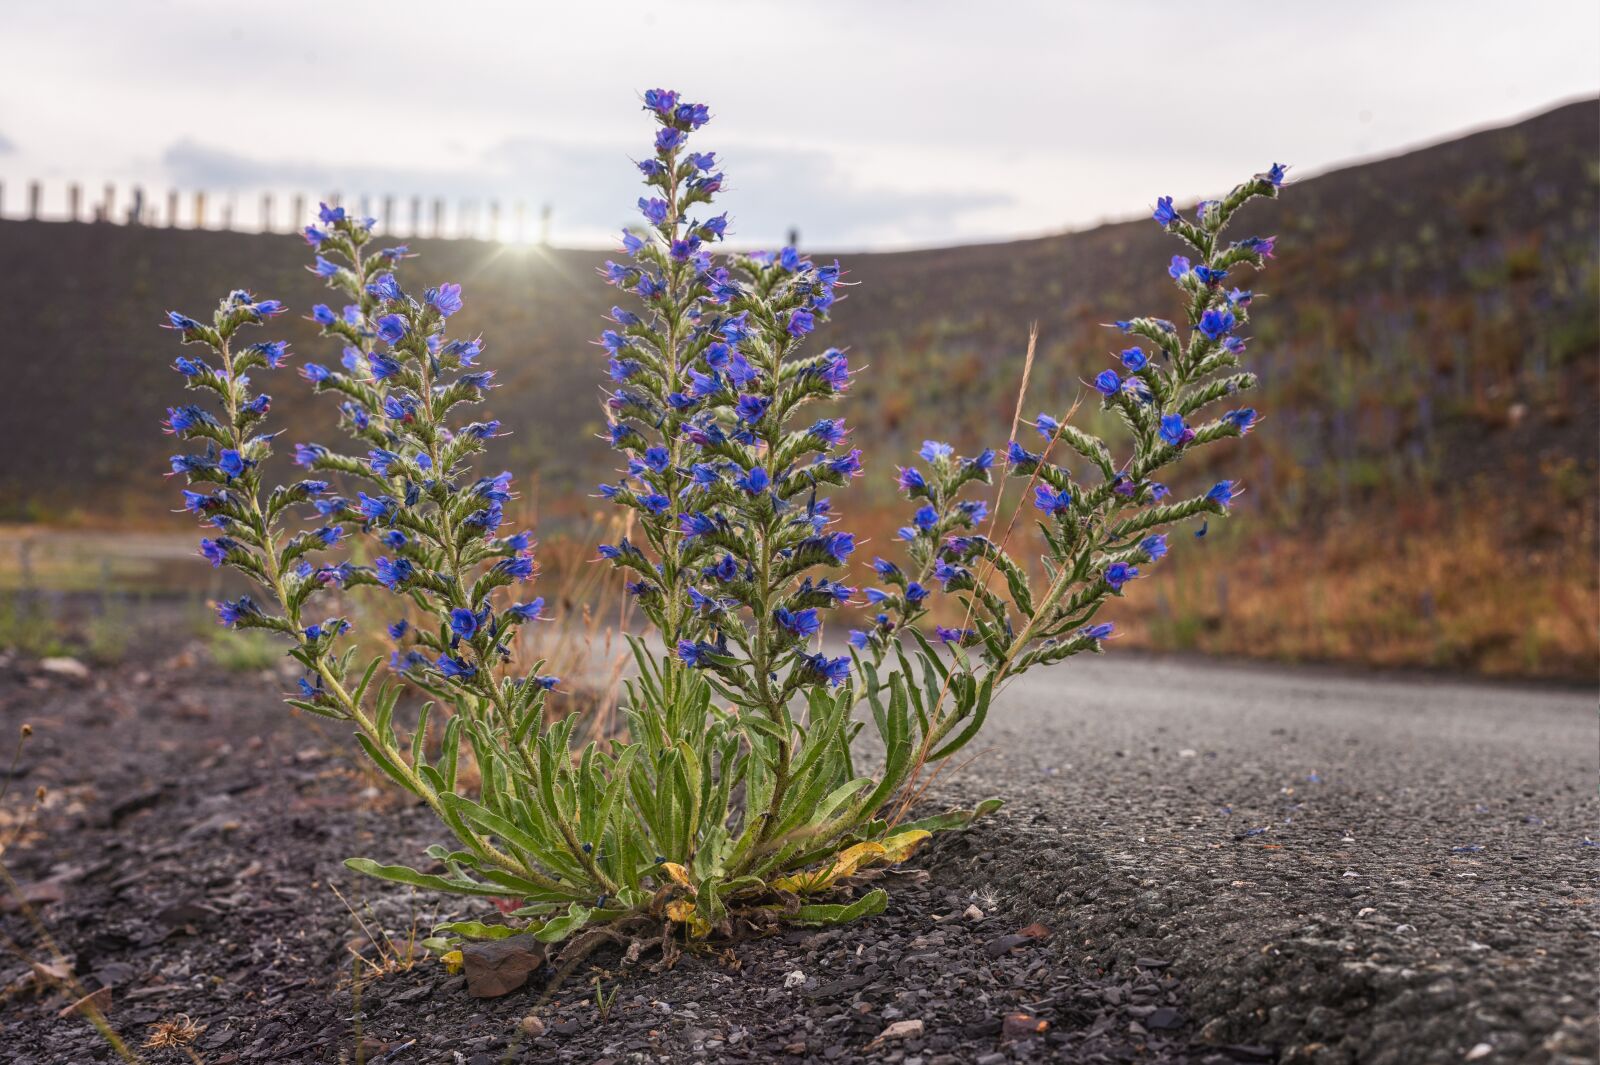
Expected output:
(743, 795)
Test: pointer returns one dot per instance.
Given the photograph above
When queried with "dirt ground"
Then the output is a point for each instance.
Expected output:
(1194, 884)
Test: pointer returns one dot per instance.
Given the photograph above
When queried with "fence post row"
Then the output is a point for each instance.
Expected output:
(487, 219)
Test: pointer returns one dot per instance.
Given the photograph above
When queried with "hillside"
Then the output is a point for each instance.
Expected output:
(1421, 488)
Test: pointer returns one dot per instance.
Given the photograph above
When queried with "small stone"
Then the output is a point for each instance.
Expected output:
(972, 913)
(531, 1026)
(1188, 752)
(901, 1030)
(70, 668)
(1481, 1050)
(1022, 1026)
(1164, 1017)
(794, 979)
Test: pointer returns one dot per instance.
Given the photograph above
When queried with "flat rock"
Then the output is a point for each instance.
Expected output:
(498, 967)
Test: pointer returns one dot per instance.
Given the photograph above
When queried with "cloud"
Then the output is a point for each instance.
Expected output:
(591, 189)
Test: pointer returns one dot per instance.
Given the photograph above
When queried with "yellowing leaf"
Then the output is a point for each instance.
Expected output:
(678, 873)
(452, 961)
(683, 912)
(892, 851)
(898, 848)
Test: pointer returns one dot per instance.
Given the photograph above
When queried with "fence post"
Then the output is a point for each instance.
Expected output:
(111, 202)
(227, 213)
(416, 217)
(200, 210)
(266, 212)
(136, 207)
(438, 215)
(544, 226)
(172, 208)
(297, 211)
(388, 214)
(35, 194)
(74, 200)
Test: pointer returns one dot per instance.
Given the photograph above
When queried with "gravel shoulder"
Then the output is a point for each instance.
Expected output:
(1196, 863)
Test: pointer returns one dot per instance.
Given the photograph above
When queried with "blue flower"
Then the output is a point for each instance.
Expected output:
(755, 481)
(1216, 323)
(463, 622)
(1107, 383)
(934, 451)
(382, 366)
(392, 573)
(1051, 501)
(859, 639)
(1243, 419)
(446, 299)
(232, 463)
(800, 623)
(398, 629)
(834, 671)
(1164, 212)
(752, 409)
(517, 567)
(322, 314)
(530, 611)
(801, 322)
(376, 508)
(1178, 267)
(1210, 276)
(925, 518)
(839, 545)
(455, 668)
(1017, 455)
(216, 551)
(668, 138)
(911, 479)
(392, 328)
(655, 502)
(1135, 359)
(1221, 493)
(1274, 175)
(695, 524)
(1119, 573)
(915, 593)
(1098, 632)
(654, 209)
(1174, 431)
(983, 460)
(1046, 425)
(324, 268)
(241, 609)
(1154, 546)
(960, 637)
(885, 569)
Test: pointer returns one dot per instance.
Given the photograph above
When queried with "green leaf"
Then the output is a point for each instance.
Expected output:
(401, 874)
(868, 905)
(559, 928)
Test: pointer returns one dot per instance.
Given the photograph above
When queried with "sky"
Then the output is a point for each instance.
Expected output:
(875, 124)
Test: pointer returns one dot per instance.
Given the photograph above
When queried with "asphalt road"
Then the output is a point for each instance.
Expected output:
(1354, 868)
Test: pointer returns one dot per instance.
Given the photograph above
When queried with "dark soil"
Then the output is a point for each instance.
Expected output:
(190, 844)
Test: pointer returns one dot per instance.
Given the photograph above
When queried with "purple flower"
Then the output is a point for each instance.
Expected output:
(1097, 632)
(654, 209)
(1243, 419)
(1107, 383)
(801, 624)
(1174, 431)
(517, 567)
(1178, 267)
(1119, 573)
(241, 609)
(911, 479)
(834, 671)
(456, 668)
(446, 299)
(530, 611)
(392, 573)
(216, 551)
(1051, 501)
(1164, 212)
(661, 101)
(801, 322)
(463, 622)
(752, 409)
(391, 328)
(755, 481)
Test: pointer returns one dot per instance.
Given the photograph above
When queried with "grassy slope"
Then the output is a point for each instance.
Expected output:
(1421, 487)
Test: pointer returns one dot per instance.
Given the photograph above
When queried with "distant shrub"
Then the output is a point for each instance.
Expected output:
(741, 796)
